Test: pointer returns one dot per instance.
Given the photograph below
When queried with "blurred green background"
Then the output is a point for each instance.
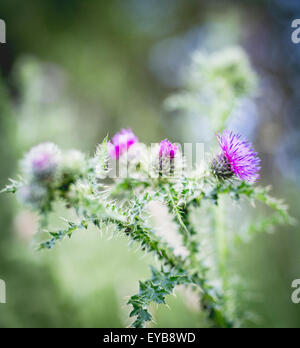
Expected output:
(74, 71)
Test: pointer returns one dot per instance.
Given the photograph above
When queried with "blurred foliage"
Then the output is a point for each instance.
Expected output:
(213, 86)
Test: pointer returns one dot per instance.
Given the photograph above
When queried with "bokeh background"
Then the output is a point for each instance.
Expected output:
(74, 71)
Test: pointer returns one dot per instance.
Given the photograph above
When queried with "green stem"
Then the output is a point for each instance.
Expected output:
(222, 245)
(186, 233)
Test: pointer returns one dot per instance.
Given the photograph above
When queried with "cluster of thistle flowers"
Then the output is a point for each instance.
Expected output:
(46, 170)
(236, 159)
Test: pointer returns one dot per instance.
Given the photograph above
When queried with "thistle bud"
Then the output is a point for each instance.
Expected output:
(41, 162)
(121, 142)
(167, 154)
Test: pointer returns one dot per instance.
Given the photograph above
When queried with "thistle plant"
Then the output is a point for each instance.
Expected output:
(140, 174)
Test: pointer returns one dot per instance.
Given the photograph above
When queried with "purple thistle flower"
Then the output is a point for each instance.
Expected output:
(167, 149)
(42, 161)
(167, 153)
(238, 158)
(121, 142)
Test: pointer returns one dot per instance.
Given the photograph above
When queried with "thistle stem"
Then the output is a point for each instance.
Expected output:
(221, 238)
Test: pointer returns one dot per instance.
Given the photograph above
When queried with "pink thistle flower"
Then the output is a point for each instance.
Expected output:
(167, 149)
(42, 161)
(167, 153)
(237, 157)
(121, 142)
